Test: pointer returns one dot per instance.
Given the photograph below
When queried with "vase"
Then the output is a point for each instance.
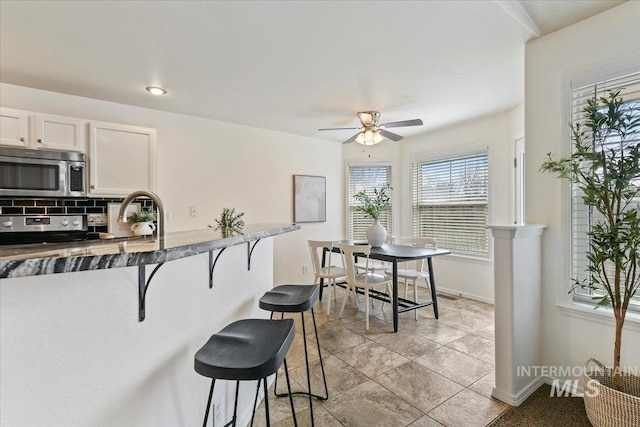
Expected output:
(143, 228)
(376, 234)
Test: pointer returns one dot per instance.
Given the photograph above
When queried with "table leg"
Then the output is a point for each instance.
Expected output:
(395, 296)
(324, 259)
(432, 282)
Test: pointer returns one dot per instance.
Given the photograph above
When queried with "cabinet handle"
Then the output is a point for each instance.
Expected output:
(22, 139)
(93, 187)
(40, 141)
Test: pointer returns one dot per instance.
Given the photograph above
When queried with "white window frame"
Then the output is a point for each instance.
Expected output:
(368, 164)
(467, 150)
(582, 298)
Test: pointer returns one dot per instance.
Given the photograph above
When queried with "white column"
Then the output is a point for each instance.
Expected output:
(518, 311)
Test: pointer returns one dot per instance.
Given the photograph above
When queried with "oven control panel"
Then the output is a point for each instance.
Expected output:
(22, 223)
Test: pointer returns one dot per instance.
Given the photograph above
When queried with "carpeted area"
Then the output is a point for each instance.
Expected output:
(541, 410)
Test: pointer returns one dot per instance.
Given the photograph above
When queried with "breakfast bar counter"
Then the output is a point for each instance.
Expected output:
(49, 258)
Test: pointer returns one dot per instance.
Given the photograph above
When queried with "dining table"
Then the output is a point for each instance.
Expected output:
(395, 254)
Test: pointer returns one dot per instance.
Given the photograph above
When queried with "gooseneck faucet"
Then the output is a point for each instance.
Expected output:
(156, 200)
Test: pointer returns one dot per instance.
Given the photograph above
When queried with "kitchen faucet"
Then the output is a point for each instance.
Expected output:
(156, 200)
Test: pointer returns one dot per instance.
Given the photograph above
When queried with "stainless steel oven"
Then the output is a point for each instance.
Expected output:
(42, 173)
(25, 229)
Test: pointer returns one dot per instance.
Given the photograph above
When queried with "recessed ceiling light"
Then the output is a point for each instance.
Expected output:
(155, 90)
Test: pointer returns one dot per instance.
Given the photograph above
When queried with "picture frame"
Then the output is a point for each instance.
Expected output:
(309, 198)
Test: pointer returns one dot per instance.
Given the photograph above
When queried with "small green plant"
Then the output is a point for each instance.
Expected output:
(605, 165)
(229, 223)
(141, 216)
(374, 206)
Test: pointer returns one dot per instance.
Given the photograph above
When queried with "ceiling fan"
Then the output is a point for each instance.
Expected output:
(371, 132)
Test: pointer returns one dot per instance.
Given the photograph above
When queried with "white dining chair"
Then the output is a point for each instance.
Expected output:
(366, 280)
(413, 275)
(375, 265)
(330, 273)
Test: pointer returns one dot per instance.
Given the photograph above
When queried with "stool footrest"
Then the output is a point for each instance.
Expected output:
(303, 393)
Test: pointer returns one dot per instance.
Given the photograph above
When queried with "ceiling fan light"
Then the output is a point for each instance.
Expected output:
(360, 138)
(377, 137)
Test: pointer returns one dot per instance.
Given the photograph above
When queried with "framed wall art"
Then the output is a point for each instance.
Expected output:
(309, 198)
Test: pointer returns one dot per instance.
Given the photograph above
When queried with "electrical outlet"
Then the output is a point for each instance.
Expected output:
(193, 211)
(217, 411)
(305, 269)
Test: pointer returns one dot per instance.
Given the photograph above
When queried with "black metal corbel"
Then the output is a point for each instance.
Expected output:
(249, 252)
(212, 265)
(143, 285)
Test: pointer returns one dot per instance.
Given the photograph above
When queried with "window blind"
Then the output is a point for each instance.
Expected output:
(366, 178)
(583, 217)
(450, 199)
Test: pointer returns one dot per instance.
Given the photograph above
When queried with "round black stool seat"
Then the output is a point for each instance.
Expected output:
(290, 298)
(248, 349)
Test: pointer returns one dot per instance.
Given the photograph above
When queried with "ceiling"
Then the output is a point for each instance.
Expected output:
(290, 66)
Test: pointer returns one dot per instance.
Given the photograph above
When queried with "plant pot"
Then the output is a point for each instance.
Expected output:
(606, 406)
(143, 228)
(376, 234)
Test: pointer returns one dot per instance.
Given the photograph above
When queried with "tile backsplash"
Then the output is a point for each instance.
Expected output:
(94, 208)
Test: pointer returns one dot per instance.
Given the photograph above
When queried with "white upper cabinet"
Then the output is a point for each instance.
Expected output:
(122, 159)
(47, 131)
(14, 127)
(58, 133)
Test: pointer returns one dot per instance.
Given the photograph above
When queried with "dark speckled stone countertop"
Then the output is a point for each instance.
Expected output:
(49, 258)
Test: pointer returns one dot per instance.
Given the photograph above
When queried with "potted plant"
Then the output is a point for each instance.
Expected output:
(373, 206)
(229, 223)
(605, 167)
(142, 222)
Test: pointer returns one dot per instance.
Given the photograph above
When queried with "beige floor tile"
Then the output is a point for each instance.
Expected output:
(475, 346)
(372, 359)
(432, 329)
(407, 344)
(484, 385)
(377, 327)
(370, 404)
(467, 409)
(489, 332)
(454, 365)
(335, 337)
(340, 376)
(279, 409)
(321, 418)
(418, 385)
(295, 356)
(467, 321)
(426, 421)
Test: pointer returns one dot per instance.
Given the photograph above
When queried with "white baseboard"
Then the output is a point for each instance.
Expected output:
(521, 396)
(455, 293)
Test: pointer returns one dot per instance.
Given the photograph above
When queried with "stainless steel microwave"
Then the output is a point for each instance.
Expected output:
(42, 173)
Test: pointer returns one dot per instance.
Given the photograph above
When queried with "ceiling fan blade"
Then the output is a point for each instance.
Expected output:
(392, 136)
(339, 128)
(414, 122)
(350, 140)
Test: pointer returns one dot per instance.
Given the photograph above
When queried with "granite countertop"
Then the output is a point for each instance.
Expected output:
(49, 258)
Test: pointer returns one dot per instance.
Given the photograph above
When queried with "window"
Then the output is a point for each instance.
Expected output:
(582, 217)
(366, 177)
(450, 198)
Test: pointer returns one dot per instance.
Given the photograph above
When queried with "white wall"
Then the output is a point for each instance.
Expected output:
(212, 164)
(607, 38)
(458, 275)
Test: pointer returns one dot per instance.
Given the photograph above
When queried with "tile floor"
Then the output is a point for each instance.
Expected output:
(430, 373)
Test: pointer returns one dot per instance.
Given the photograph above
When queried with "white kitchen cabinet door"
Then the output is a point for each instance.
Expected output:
(14, 127)
(58, 133)
(122, 159)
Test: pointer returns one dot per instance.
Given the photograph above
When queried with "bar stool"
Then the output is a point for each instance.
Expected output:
(297, 299)
(249, 349)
